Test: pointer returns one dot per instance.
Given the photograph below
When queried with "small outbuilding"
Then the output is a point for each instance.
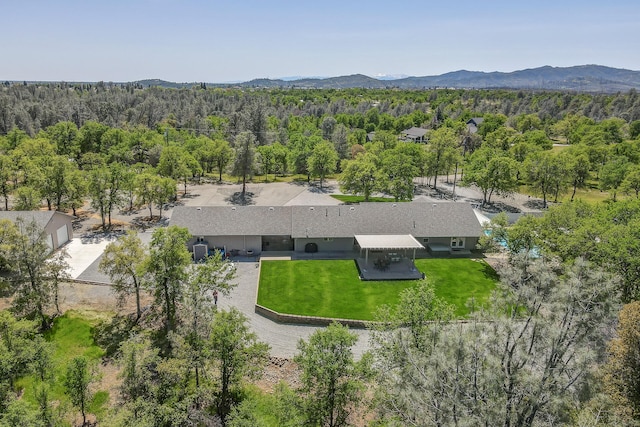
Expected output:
(57, 226)
(474, 123)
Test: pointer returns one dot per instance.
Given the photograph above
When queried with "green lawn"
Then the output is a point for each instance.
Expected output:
(332, 288)
(72, 336)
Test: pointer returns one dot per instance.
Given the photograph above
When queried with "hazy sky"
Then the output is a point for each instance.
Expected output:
(220, 41)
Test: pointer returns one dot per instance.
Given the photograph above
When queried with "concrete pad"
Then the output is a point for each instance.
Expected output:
(261, 194)
(84, 251)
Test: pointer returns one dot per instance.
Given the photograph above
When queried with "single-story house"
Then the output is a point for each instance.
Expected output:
(57, 226)
(474, 123)
(445, 227)
(414, 134)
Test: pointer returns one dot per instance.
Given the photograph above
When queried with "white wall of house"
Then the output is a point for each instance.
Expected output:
(326, 245)
(241, 243)
(453, 243)
(60, 227)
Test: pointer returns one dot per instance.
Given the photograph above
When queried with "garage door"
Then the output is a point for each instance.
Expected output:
(62, 234)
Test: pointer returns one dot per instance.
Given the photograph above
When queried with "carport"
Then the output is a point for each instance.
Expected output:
(388, 263)
(387, 242)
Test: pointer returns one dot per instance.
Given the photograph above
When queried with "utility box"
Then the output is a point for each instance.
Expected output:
(200, 251)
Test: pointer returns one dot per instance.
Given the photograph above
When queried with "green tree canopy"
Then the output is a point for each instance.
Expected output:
(442, 152)
(245, 158)
(333, 383)
(167, 269)
(491, 171)
(323, 160)
(123, 261)
(526, 364)
(236, 354)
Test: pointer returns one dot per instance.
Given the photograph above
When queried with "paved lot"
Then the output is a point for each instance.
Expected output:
(271, 194)
(83, 252)
(93, 250)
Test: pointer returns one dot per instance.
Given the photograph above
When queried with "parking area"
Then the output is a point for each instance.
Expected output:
(84, 251)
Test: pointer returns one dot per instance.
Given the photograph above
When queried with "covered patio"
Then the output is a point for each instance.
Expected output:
(388, 257)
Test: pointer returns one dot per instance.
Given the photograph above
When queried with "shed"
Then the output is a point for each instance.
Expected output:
(57, 226)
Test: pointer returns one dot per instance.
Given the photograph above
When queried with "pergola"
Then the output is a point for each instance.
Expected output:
(387, 242)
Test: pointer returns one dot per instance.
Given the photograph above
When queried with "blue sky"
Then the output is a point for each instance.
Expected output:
(220, 41)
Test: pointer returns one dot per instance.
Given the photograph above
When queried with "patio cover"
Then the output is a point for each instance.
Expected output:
(387, 241)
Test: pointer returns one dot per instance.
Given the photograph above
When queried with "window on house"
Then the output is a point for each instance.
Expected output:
(457, 242)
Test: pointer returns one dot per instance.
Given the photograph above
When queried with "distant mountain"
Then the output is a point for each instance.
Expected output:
(343, 82)
(582, 78)
(585, 78)
(387, 77)
(163, 83)
(290, 78)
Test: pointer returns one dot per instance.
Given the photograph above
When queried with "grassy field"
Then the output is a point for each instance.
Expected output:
(590, 193)
(71, 336)
(331, 288)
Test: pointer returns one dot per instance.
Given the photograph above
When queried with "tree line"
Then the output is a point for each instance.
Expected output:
(605, 236)
(125, 168)
(36, 106)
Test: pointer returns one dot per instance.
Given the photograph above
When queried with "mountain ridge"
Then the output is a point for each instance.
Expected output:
(579, 78)
(583, 78)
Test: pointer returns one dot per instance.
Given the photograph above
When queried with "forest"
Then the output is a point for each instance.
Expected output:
(559, 343)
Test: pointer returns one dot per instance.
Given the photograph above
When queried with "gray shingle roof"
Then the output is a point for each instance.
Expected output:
(445, 219)
(414, 132)
(234, 220)
(42, 218)
(418, 219)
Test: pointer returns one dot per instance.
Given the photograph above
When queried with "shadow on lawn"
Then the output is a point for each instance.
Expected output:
(489, 272)
(113, 332)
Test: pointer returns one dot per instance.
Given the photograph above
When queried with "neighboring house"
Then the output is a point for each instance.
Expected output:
(370, 136)
(58, 226)
(413, 134)
(474, 123)
(446, 227)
